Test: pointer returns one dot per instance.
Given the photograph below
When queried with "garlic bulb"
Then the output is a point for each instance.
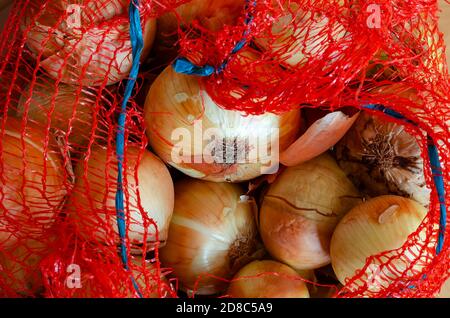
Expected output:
(319, 138)
(193, 134)
(212, 233)
(69, 110)
(20, 268)
(383, 158)
(302, 34)
(267, 279)
(149, 197)
(33, 184)
(379, 225)
(302, 208)
(85, 43)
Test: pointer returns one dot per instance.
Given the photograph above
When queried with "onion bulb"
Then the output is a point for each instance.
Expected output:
(212, 233)
(20, 268)
(301, 209)
(85, 43)
(301, 34)
(92, 202)
(318, 138)
(189, 131)
(68, 110)
(378, 225)
(33, 184)
(267, 279)
(211, 14)
(381, 158)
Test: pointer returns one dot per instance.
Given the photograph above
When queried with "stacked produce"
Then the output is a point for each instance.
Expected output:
(302, 165)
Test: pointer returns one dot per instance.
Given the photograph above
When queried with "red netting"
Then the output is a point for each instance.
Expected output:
(63, 69)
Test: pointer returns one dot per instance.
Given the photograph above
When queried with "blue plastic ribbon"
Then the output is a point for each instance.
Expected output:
(184, 66)
(436, 170)
(137, 44)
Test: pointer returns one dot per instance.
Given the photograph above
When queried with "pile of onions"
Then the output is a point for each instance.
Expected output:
(92, 202)
(68, 110)
(87, 44)
(381, 158)
(267, 279)
(301, 35)
(20, 267)
(212, 233)
(302, 208)
(193, 134)
(33, 184)
(376, 226)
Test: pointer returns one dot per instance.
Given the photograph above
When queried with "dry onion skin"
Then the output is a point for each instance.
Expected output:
(302, 34)
(68, 110)
(379, 225)
(179, 114)
(267, 279)
(92, 202)
(302, 208)
(34, 182)
(212, 232)
(383, 158)
(91, 43)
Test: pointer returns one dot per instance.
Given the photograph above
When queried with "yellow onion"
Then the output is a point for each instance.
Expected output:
(301, 34)
(20, 267)
(33, 184)
(301, 209)
(212, 232)
(445, 290)
(92, 202)
(67, 109)
(267, 279)
(189, 131)
(211, 14)
(89, 46)
(318, 138)
(381, 158)
(144, 273)
(379, 225)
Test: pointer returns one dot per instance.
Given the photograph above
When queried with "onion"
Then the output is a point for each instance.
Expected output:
(320, 137)
(90, 46)
(267, 279)
(212, 232)
(179, 114)
(69, 109)
(33, 184)
(302, 208)
(92, 203)
(301, 34)
(382, 158)
(20, 268)
(211, 14)
(378, 225)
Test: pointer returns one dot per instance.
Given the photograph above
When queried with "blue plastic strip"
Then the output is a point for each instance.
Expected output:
(137, 44)
(436, 170)
(184, 66)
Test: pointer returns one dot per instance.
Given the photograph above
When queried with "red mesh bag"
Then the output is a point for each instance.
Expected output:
(60, 228)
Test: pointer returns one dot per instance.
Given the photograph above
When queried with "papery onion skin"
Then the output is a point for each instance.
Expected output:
(67, 109)
(382, 158)
(302, 208)
(31, 196)
(267, 279)
(379, 225)
(212, 232)
(92, 203)
(176, 102)
(90, 49)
